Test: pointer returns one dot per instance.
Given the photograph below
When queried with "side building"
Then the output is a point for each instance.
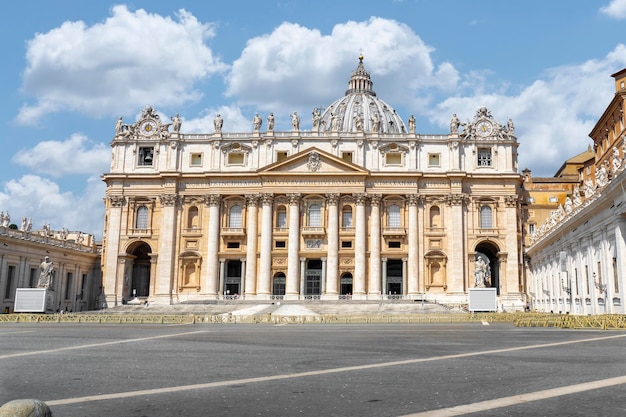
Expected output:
(359, 207)
(75, 257)
(576, 260)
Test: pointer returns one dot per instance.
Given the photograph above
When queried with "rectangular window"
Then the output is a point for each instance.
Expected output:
(530, 200)
(346, 244)
(232, 245)
(531, 228)
(195, 160)
(433, 160)
(235, 159)
(281, 156)
(280, 244)
(346, 156)
(393, 158)
(68, 286)
(146, 155)
(8, 291)
(281, 219)
(395, 245)
(346, 219)
(484, 157)
(553, 199)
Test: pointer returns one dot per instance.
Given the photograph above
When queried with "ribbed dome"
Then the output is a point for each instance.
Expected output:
(360, 109)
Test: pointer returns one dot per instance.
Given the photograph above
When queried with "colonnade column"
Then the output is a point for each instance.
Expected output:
(455, 274)
(251, 246)
(221, 279)
(293, 272)
(165, 269)
(211, 275)
(332, 264)
(265, 260)
(384, 289)
(244, 287)
(113, 232)
(324, 264)
(374, 284)
(412, 283)
(359, 247)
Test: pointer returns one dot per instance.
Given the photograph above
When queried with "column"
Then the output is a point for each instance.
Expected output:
(243, 288)
(249, 284)
(324, 263)
(384, 289)
(455, 274)
(221, 290)
(167, 245)
(211, 276)
(110, 276)
(359, 247)
(404, 276)
(265, 260)
(302, 274)
(332, 265)
(293, 247)
(374, 284)
(412, 276)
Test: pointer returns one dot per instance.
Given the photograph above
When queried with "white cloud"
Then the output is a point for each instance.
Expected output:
(118, 65)
(295, 68)
(553, 116)
(75, 155)
(615, 9)
(234, 121)
(44, 201)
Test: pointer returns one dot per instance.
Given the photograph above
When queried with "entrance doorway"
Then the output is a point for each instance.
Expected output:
(489, 253)
(232, 280)
(394, 277)
(140, 282)
(278, 286)
(313, 278)
(346, 284)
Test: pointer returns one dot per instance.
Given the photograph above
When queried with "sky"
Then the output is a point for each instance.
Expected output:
(71, 68)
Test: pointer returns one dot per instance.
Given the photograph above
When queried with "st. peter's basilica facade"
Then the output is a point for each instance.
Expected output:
(359, 207)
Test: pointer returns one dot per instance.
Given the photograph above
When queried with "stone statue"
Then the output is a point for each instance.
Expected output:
(218, 123)
(177, 123)
(510, 128)
(590, 189)
(454, 124)
(577, 199)
(64, 233)
(316, 120)
(482, 273)
(295, 121)
(602, 177)
(6, 220)
(270, 122)
(375, 122)
(46, 274)
(334, 123)
(617, 160)
(29, 226)
(358, 122)
(568, 205)
(119, 126)
(412, 124)
(257, 122)
(24, 223)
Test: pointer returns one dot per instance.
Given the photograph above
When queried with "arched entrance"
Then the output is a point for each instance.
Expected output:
(488, 252)
(346, 284)
(278, 286)
(140, 281)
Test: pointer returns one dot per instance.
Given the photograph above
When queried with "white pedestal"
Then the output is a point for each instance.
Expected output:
(34, 300)
(482, 299)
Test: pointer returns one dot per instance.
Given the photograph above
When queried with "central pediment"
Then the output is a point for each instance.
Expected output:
(312, 162)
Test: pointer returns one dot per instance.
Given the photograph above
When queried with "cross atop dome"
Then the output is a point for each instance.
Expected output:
(360, 81)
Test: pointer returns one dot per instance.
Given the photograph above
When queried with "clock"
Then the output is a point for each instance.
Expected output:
(484, 128)
(147, 128)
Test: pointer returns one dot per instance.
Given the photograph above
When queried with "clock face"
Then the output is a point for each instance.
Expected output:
(484, 128)
(147, 128)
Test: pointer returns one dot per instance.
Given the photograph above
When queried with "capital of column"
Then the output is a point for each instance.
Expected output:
(456, 199)
(375, 199)
(511, 200)
(413, 199)
(332, 198)
(360, 198)
(294, 199)
(168, 200)
(116, 200)
(252, 199)
(267, 199)
(213, 200)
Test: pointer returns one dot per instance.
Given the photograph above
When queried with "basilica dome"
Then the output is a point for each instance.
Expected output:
(360, 109)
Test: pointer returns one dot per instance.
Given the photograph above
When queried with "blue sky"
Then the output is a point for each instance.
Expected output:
(71, 68)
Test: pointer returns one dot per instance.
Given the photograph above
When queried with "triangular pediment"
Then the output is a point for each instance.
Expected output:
(313, 161)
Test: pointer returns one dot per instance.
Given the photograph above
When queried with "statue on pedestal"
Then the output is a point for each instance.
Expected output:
(46, 273)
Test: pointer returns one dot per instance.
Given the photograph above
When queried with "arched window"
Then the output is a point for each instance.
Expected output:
(142, 218)
(281, 218)
(315, 215)
(393, 214)
(486, 219)
(435, 217)
(235, 218)
(346, 217)
(192, 218)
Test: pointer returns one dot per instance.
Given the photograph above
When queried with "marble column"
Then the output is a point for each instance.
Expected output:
(265, 259)
(293, 272)
(332, 264)
(111, 277)
(221, 290)
(374, 282)
(165, 268)
(359, 247)
(249, 284)
(211, 273)
(412, 278)
(242, 289)
(455, 274)
(384, 289)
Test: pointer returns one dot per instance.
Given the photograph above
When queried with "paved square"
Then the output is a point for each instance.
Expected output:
(313, 370)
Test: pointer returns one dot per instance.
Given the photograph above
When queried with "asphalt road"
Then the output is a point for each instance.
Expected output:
(314, 370)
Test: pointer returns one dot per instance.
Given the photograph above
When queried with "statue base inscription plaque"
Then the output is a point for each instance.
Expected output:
(34, 300)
